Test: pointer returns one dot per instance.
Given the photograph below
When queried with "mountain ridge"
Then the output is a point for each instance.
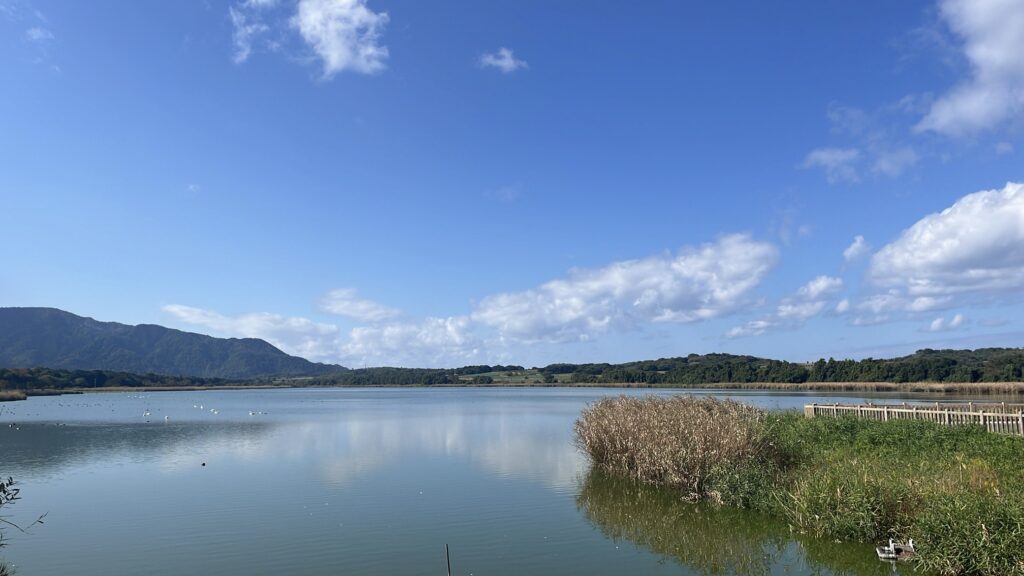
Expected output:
(53, 338)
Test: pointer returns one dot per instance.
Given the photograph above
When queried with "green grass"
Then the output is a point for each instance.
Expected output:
(958, 491)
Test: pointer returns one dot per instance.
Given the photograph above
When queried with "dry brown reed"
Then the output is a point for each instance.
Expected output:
(9, 395)
(678, 441)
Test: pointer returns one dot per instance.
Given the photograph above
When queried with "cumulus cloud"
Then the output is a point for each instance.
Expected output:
(346, 302)
(697, 284)
(294, 335)
(431, 342)
(992, 37)
(940, 324)
(839, 164)
(820, 286)
(974, 246)
(810, 300)
(857, 249)
(345, 34)
(504, 60)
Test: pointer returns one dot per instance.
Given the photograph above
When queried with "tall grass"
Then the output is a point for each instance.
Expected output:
(679, 441)
(9, 395)
(958, 491)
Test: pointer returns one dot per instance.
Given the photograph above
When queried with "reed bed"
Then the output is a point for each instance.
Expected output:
(679, 441)
(985, 388)
(958, 491)
(11, 395)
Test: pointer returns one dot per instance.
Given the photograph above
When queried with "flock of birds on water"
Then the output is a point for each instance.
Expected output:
(146, 414)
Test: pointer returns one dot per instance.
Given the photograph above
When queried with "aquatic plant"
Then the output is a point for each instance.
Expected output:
(678, 441)
(958, 491)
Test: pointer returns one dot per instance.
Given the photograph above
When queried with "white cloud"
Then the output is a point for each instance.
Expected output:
(294, 335)
(992, 36)
(839, 164)
(843, 306)
(810, 300)
(430, 342)
(697, 284)
(940, 324)
(820, 286)
(857, 249)
(504, 60)
(345, 302)
(1002, 148)
(974, 246)
(752, 328)
(248, 24)
(39, 34)
(894, 162)
(344, 34)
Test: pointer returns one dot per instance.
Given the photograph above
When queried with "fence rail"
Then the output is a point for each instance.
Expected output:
(1002, 418)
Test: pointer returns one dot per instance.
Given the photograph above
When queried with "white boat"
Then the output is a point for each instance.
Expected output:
(896, 550)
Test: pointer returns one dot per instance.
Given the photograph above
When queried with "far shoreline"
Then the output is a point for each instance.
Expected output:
(947, 388)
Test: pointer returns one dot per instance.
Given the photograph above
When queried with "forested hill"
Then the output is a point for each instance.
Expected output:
(48, 337)
(983, 365)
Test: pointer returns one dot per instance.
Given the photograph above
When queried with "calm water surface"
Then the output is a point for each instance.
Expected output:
(361, 482)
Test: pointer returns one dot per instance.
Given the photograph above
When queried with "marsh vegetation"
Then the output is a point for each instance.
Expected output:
(959, 492)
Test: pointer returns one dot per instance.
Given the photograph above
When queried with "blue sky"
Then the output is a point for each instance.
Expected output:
(438, 183)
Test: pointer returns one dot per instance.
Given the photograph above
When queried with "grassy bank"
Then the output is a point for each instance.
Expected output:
(959, 492)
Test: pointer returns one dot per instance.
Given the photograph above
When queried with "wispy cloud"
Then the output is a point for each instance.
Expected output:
(810, 300)
(941, 324)
(39, 34)
(346, 302)
(839, 164)
(504, 60)
(893, 162)
(294, 335)
(248, 26)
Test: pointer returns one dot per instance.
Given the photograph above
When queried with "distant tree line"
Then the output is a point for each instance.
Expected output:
(56, 379)
(982, 365)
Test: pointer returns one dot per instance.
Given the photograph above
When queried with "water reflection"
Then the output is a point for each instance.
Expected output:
(709, 539)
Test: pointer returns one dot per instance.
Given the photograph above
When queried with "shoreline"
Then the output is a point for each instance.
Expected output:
(948, 388)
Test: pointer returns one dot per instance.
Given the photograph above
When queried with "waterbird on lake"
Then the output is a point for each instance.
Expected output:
(896, 550)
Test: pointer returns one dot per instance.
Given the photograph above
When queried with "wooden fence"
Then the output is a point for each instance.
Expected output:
(1003, 418)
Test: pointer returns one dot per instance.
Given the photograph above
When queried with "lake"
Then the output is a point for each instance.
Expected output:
(361, 482)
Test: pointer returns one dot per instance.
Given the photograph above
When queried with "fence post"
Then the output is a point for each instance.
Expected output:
(1020, 423)
(885, 414)
(809, 410)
